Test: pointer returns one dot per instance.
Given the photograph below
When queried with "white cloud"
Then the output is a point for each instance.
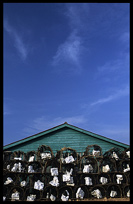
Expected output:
(43, 123)
(68, 54)
(117, 94)
(125, 38)
(77, 14)
(69, 50)
(6, 111)
(18, 41)
(111, 66)
(118, 133)
(114, 69)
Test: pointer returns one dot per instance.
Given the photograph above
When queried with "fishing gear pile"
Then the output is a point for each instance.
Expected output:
(67, 176)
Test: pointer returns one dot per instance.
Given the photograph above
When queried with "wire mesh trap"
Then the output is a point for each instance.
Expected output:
(18, 155)
(15, 166)
(107, 165)
(34, 167)
(67, 155)
(113, 191)
(97, 192)
(31, 194)
(9, 179)
(114, 153)
(126, 154)
(124, 166)
(88, 165)
(22, 180)
(41, 176)
(5, 193)
(80, 192)
(119, 178)
(93, 150)
(88, 179)
(126, 191)
(16, 194)
(49, 193)
(103, 178)
(44, 153)
(65, 193)
(7, 156)
(31, 156)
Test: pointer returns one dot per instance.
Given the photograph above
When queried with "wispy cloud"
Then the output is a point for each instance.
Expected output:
(114, 69)
(125, 37)
(19, 43)
(43, 123)
(77, 14)
(119, 93)
(116, 132)
(112, 66)
(69, 51)
(6, 110)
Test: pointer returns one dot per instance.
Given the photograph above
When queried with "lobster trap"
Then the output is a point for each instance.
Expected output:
(67, 155)
(49, 193)
(97, 191)
(93, 150)
(119, 178)
(88, 179)
(114, 153)
(44, 153)
(7, 155)
(103, 178)
(32, 194)
(81, 192)
(124, 165)
(18, 155)
(31, 156)
(65, 193)
(51, 166)
(16, 194)
(114, 191)
(88, 164)
(34, 167)
(126, 191)
(126, 154)
(15, 166)
(41, 176)
(107, 165)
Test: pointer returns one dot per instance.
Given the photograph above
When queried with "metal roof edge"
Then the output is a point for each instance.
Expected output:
(34, 136)
(100, 136)
(62, 126)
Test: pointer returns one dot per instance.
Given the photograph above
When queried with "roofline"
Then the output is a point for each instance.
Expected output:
(62, 126)
(28, 138)
(102, 137)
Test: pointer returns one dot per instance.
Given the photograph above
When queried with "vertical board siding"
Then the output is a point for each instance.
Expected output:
(65, 137)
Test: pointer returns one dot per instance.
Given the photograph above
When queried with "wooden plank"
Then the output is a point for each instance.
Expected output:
(65, 137)
(62, 127)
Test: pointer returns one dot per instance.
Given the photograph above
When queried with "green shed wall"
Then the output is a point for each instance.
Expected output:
(65, 137)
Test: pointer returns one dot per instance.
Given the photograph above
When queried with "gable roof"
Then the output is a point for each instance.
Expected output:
(27, 139)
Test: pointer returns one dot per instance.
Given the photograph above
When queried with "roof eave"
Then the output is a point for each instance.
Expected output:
(60, 127)
(34, 136)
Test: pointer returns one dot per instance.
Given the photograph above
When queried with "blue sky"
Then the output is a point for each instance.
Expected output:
(66, 62)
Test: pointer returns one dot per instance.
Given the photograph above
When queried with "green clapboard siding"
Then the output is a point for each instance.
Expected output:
(65, 137)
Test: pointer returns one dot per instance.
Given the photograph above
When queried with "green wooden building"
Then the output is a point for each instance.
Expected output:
(64, 135)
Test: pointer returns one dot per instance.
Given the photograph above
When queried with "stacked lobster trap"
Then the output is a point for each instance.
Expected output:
(67, 176)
